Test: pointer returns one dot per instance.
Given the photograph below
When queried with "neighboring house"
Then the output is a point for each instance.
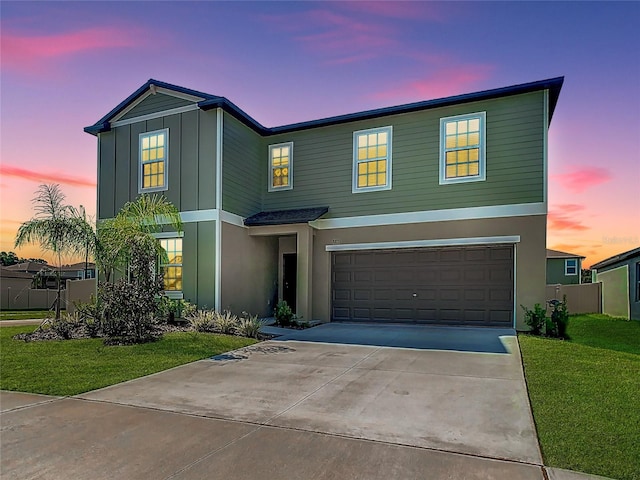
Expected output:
(563, 268)
(30, 267)
(47, 274)
(620, 278)
(76, 271)
(431, 212)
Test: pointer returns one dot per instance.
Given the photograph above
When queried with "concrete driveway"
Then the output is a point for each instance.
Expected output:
(336, 401)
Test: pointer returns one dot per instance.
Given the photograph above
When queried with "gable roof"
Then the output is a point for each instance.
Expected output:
(635, 252)
(213, 101)
(29, 267)
(559, 254)
(6, 272)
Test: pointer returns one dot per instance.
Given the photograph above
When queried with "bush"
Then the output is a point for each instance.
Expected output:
(536, 318)
(226, 322)
(557, 325)
(170, 309)
(203, 321)
(249, 326)
(283, 314)
(66, 325)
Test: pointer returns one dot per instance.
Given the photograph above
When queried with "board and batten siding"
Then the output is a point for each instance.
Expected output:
(243, 168)
(191, 162)
(155, 103)
(323, 162)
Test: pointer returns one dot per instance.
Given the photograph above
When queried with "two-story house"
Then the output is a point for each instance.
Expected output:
(430, 212)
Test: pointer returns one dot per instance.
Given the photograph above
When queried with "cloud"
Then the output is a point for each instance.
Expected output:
(402, 10)
(26, 53)
(443, 82)
(579, 179)
(563, 217)
(46, 177)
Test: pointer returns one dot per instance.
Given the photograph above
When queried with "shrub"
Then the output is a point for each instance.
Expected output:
(66, 325)
(249, 326)
(170, 309)
(226, 322)
(559, 318)
(203, 321)
(283, 314)
(536, 318)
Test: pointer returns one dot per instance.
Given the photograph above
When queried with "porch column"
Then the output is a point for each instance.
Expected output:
(304, 272)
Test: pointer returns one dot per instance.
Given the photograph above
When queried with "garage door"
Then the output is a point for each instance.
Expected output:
(450, 286)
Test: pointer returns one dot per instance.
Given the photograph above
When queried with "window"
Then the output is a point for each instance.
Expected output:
(281, 166)
(571, 266)
(173, 267)
(462, 148)
(372, 160)
(153, 161)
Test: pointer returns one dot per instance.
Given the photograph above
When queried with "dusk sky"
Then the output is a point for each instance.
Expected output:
(66, 64)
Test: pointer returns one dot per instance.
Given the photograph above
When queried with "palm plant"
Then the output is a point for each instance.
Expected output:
(85, 235)
(52, 227)
(134, 224)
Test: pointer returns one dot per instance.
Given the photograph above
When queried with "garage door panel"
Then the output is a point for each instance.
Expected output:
(448, 285)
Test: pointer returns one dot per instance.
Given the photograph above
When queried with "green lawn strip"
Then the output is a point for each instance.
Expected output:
(71, 367)
(603, 331)
(585, 399)
(25, 314)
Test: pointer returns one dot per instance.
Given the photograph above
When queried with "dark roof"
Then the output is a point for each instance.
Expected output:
(6, 272)
(213, 101)
(559, 254)
(286, 217)
(78, 266)
(31, 267)
(617, 258)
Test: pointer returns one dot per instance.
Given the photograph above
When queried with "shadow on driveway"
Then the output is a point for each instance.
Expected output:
(424, 337)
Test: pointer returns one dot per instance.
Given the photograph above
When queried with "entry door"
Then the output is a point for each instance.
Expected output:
(289, 279)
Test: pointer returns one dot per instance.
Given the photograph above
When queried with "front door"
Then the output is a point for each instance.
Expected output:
(289, 280)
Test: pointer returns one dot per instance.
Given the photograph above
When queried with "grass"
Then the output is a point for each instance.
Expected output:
(25, 314)
(70, 367)
(585, 395)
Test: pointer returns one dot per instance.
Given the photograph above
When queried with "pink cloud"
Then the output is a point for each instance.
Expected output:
(442, 83)
(46, 177)
(579, 179)
(565, 219)
(403, 10)
(25, 53)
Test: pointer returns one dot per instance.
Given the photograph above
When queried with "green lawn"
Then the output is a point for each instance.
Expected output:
(25, 314)
(70, 367)
(585, 395)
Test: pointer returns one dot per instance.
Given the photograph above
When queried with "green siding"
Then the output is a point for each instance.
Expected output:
(555, 272)
(206, 259)
(243, 169)
(155, 103)
(191, 163)
(323, 162)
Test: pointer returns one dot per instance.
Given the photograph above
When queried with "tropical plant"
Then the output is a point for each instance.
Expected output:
(203, 320)
(249, 326)
(53, 227)
(557, 325)
(226, 322)
(85, 235)
(283, 314)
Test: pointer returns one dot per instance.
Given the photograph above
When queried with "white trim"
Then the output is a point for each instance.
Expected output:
(443, 242)
(153, 89)
(469, 213)
(354, 175)
(165, 161)
(231, 218)
(566, 267)
(151, 116)
(160, 235)
(289, 186)
(200, 216)
(218, 228)
(482, 147)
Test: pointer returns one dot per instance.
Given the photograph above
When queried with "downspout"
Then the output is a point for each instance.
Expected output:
(218, 253)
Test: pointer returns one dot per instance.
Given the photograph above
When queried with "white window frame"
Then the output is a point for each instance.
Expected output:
(159, 188)
(354, 175)
(270, 174)
(482, 163)
(567, 267)
(175, 294)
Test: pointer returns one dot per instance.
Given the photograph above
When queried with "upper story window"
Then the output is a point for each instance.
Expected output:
(173, 266)
(462, 148)
(154, 150)
(281, 166)
(571, 266)
(372, 159)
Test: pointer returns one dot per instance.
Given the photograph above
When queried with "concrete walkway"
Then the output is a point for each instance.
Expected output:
(304, 406)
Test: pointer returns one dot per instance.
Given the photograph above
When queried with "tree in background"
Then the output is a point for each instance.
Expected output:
(10, 258)
(53, 227)
(85, 235)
